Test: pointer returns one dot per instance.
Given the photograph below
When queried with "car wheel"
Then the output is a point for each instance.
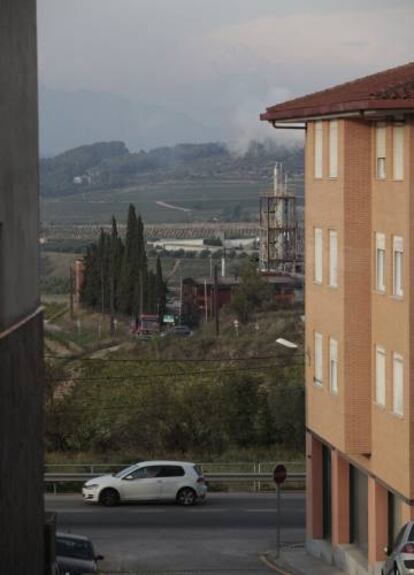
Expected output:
(186, 496)
(109, 497)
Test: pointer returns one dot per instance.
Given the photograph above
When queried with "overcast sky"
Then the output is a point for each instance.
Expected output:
(213, 65)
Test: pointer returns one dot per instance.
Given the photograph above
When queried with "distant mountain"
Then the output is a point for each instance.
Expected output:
(70, 119)
(110, 165)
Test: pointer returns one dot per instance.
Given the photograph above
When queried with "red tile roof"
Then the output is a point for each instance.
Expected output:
(391, 89)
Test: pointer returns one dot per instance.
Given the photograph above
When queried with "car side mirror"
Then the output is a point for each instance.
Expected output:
(387, 550)
(99, 558)
(128, 478)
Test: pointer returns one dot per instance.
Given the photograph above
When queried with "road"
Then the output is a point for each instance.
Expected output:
(226, 535)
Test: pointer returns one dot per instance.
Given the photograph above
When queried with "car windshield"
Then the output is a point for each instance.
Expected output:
(75, 548)
(125, 471)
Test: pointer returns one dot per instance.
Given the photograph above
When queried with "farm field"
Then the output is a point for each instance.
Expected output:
(222, 200)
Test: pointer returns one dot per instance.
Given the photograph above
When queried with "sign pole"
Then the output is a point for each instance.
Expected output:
(278, 522)
(279, 476)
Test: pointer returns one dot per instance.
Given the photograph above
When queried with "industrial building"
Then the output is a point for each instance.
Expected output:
(359, 189)
(21, 338)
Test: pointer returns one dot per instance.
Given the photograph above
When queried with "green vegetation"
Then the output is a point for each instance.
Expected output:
(253, 293)
(167, 401)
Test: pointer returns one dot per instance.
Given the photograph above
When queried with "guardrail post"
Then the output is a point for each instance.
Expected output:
(54, 488)
(259, 483)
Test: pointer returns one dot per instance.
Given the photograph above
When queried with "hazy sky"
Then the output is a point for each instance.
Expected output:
(214, 64)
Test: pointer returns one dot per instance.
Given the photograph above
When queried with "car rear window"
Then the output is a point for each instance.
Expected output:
(198, 470)
(66, 547)
(171, 471)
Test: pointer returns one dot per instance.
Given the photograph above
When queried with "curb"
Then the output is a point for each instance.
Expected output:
(270, 562)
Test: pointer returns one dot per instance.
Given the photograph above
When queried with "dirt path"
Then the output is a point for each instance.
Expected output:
(171, 207)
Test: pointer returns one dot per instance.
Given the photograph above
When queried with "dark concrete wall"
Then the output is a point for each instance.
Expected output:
(21, 486)
(21, 458)
(19, 212)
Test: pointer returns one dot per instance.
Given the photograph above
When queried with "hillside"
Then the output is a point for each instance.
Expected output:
(108, 165)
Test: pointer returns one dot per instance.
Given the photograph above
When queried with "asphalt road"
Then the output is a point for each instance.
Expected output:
(226, 535)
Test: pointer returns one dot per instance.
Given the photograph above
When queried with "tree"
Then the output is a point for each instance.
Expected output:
(252, 294)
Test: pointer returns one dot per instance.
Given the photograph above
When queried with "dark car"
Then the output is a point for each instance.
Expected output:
(179, 330)
(75, 555)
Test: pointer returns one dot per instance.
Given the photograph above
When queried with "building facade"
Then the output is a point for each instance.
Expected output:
(359, 217)
(21, 470)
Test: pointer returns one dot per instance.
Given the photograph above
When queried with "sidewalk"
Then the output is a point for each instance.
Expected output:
(296, 561)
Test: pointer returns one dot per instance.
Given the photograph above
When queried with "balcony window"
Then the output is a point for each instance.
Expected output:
(333, 258)
(398, 152)
(333, 149)
(318, 167)
(333, 365)
(398, 385)
(380, 262)
(397, 264)
(380, 139)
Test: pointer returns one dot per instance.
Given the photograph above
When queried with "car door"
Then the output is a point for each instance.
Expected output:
(172, 477)
(142, 484)
(389, 564)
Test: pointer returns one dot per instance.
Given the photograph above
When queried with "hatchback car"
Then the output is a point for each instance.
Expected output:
(149, 480)
(75, 555)
(401, 556)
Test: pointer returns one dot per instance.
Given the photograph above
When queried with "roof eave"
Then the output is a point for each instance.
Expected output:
(347, 109)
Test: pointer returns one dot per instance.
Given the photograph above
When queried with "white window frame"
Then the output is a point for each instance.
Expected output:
(318, 355)
(380, 262)
(333, 149)
(397, 266)
(380, 150)
(397, 384)
(318, 151)
(333, 365)
(318, 255)
(380, 375)
(398, 136)
(333, 258)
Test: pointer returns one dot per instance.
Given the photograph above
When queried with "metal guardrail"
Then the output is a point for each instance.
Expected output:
(212, 477)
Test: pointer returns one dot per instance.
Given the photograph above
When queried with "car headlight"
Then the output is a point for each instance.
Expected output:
(91, 486)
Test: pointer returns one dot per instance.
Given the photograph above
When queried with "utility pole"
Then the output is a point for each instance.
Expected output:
(112, 295)
(216, 309)
(71, 291)
(205, 300)
(102, 289)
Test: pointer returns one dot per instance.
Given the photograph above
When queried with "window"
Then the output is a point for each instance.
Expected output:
(398, 152)
(398, 384)
(380, 375)
(171, 471)
(333, 365)
(144, 473)
(380, 262)
(333, 149)
(318, 271)
(333, 258)
(318, 149)
(397, 266)
(380, 134)
(318, 358)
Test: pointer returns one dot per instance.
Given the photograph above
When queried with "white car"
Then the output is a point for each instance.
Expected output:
(148, 480)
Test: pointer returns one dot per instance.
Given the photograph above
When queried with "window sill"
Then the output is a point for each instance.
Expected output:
(318, 383)
(397, 415)
(316, 283)
(379, 405)
(334, 287)
(399, 298)
(379, 292)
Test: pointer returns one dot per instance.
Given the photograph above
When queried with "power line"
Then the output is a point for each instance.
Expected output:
(181, 374)
(178, 360)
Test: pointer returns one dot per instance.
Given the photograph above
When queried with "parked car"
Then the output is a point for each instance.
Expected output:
(75, 555)
(149, 480)
(401, 556)
(178, 330)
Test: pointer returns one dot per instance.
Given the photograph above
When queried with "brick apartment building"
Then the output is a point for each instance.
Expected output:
(359, 218)
(21, 470)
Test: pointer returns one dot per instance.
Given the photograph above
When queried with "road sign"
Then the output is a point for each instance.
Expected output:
(279, 474)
